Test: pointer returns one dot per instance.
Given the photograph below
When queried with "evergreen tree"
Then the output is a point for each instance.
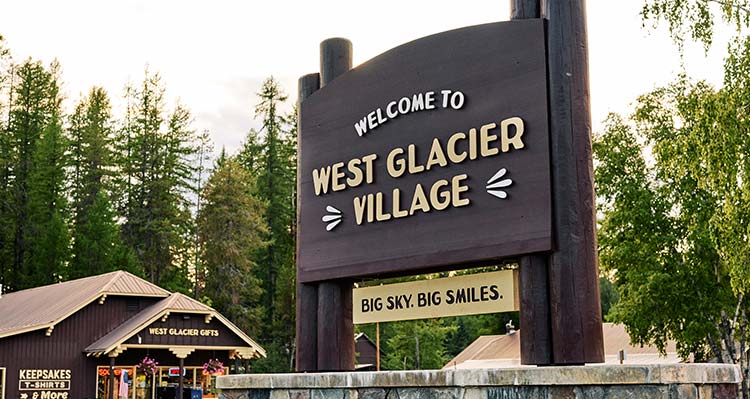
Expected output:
(231, 229)
(96, 237)
(6, 194)
(270, 155)
(155, 157)
(48, 235)
(34, 121)
(204, 147)
(418, 344)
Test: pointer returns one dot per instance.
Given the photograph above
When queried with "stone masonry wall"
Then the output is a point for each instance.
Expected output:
(683, 381)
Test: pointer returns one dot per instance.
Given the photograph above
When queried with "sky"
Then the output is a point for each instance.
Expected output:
(213, 55)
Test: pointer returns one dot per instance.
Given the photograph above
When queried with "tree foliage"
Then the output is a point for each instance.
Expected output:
(33, 215)
(270, 155)
(695, 19)
(231, 229)
(418, 344)
(675, 226)
(97, 247)
(155, 156)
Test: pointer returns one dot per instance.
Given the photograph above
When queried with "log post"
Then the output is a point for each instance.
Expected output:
(111, 393)
(575, 310)
(306, 345)
(536, 342)
(335, 327)
(181, 381)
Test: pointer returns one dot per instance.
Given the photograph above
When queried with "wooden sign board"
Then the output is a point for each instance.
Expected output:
(492, 292)
(432, 155)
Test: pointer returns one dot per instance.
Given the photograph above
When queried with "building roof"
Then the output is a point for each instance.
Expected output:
(493, 351)
(44, 307)
(177, 303)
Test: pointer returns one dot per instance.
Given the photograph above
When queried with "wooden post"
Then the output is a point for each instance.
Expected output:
(536, 340)
(307, 294)
(536, 343)
(335, 59)
(524, 9)
(181, 384)
(377, 346)
(575, 310)
(111, 393)
(335, 327)
(325, 332)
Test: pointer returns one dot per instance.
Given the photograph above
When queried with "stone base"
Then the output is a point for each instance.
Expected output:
(673, 381)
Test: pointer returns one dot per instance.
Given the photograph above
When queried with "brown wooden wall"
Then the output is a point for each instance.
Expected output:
(365, 351)
(64, 348)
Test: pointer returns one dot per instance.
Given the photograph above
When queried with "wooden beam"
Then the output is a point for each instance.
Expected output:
(335, 328)
(181, 383)
(111, 393)
(335, 59)
(306, 345)
(573, 271)
(524, 9)
(536, 342)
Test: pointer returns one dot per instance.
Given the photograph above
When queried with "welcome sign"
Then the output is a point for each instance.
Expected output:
(432, 155)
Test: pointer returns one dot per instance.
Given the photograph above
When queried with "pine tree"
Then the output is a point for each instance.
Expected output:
(6, 215)
(270, 155)
(35, 155)
(96, 237)
(155, 157)
(204, 148)
(231, 229)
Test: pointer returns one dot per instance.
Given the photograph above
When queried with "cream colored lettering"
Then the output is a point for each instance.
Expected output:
(337, 174)
(353, 167)
(369, 168)
(419, 202)
(457, 189)
(486, 138)
(436, 157)
(380, 216)
(472, 144)
(397, 211)
(396, 166)
(515, 141)
(359, 208)
(320, 179)
(436, 194)
(412, 158)
(454, 156)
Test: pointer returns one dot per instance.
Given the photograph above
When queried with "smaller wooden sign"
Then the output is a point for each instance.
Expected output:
(492, 292)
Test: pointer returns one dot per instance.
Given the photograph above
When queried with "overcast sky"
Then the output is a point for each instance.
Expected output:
(213, 55)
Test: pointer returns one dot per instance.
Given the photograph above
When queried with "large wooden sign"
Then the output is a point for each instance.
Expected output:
(434, 154)
(492, 292)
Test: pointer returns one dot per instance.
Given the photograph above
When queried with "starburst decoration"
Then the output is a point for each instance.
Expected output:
(494, 184)
(333, 218)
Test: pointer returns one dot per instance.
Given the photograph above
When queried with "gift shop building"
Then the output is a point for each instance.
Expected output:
(114, 335)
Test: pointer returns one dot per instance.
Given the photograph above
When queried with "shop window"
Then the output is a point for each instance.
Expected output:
(166, 379)
(2, 383)
(102, 383)
(194, 378)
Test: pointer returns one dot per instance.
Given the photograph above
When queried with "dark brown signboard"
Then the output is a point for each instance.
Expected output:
(433, 154)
